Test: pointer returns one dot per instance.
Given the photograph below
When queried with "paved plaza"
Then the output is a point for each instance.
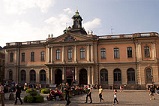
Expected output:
(125, 98)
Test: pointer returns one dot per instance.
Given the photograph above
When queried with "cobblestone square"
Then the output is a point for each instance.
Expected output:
(125, 98)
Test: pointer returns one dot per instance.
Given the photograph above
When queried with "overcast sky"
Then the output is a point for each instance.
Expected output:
(28, 20)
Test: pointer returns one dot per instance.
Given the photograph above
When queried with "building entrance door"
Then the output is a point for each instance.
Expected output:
(58, 77)
(70, 75)
(83, 77)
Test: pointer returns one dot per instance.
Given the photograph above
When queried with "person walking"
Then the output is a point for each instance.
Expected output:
(100, 93)
(151, 92)
(2, 94)
(115, 97)
(18, 92)
(67, 94)
(89, 94)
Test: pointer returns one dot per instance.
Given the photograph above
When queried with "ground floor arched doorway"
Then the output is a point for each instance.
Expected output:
(83, 77)
(70, 75)
(58, 76)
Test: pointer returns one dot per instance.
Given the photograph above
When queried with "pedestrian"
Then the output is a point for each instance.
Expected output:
(115, 97)
(67, 93)
(157, 90)
(100, 93)
(151, 92)
(121, 88)
(89, 94)
(2, 94)
(18, 92)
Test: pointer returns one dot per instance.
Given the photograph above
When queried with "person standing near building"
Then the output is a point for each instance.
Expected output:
(67, 93)
(2, 94)
(100, 93)
(18, 92)
(115, 97)
(89, 94)
(151, 92)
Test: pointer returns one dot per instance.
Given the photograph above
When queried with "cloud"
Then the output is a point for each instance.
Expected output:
(90, 25)
(21, 6)
(21, 30)
(68, 10)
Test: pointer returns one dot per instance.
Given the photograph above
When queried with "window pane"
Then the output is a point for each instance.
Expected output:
(116, 53)
(129, 52)
(82, 53)
(58, 54)
(147, 51)
(11, 57)
(42, 56)
(103, 53)
(32, 56)
(23, 57)
(69, 54)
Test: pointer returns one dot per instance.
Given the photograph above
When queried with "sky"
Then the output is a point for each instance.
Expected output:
(30, 20)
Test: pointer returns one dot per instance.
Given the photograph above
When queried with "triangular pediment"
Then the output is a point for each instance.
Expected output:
(70, 37)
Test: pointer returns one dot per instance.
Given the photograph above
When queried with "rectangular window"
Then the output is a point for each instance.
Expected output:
(147, 51)
(23, 57)
(32, 56)
(82, 53)
(69, 54)
(58, 54)
(103, 53)
(42, 56)
(11, 57)
(129, 52)
(116, 53)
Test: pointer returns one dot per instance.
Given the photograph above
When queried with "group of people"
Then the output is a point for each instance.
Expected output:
(17, 94)
(55, 94)
(100, 94)
(152, 90)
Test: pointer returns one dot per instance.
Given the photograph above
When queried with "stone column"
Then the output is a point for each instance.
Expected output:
(88, 55)
(51, 52)
(75, 54)
(89, 75)
(153, 51)
(37, 76)
(27, 76)
(92, 71)
(48, 57)
(63, 53)
(76, 74)
(92, 53)
(139, 55)
(63, 74)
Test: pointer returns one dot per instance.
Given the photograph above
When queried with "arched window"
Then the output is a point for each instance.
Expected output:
(117, 76)
(10, 75)
(82, 53)
(131, 76)
(104, 76)
(149, 76)
(23, 76)
(42, 76)
(32, 76)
